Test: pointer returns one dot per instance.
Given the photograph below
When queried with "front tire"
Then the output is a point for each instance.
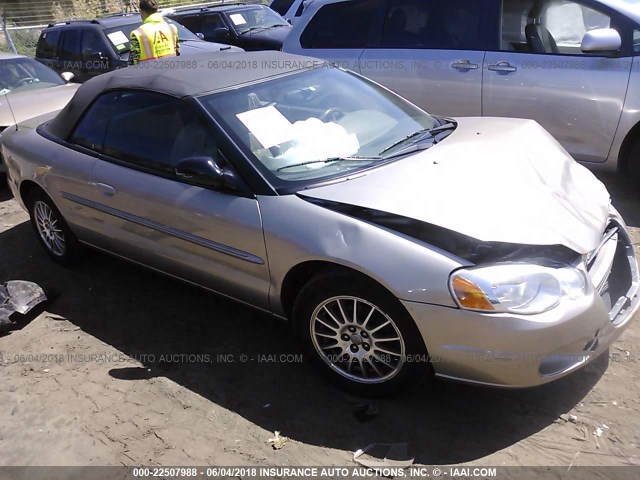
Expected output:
(359, 335)
(52, 231)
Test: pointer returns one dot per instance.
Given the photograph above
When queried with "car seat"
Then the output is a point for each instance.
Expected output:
(539, 39)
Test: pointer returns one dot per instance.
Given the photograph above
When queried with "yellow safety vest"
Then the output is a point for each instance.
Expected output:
(156, 37)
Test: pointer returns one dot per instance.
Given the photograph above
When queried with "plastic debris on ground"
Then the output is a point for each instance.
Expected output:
(18, 296)
(278, 441)
(383, 455)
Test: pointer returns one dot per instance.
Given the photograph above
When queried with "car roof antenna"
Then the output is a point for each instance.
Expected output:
(11, 109)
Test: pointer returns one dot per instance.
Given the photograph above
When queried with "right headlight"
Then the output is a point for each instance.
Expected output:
(516, 288)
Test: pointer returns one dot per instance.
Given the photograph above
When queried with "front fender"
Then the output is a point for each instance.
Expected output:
(297, 231)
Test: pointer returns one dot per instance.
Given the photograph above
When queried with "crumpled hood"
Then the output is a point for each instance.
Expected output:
(494, 179)
(32, 103)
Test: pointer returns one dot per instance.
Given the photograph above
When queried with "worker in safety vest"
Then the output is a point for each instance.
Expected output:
(155, 38)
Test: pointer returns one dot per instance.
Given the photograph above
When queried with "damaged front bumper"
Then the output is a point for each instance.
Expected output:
(510, 350)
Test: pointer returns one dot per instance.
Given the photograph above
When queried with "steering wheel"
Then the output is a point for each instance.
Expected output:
(24, 81)
(332, 114)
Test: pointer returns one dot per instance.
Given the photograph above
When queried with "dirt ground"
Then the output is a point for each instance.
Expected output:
(103, 377)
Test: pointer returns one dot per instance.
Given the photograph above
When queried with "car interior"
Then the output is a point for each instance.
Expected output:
(20, 74)
(308, 106)
(137, 129)
(414, 24)
(548, 26)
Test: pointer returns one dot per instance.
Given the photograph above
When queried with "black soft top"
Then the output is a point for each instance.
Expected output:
(214, 71)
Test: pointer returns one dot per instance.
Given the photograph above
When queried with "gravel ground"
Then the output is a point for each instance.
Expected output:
(90, 381)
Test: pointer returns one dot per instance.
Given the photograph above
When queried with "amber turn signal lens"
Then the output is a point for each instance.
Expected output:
(469, 294)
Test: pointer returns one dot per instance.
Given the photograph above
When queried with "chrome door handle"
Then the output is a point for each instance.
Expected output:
(465, 65)
(107, 190)
(502, 67)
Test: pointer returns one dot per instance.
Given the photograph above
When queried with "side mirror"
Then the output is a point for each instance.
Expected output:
(67, 76)
(206, 172)
(601, 40)
(200, 35)
(221, 33)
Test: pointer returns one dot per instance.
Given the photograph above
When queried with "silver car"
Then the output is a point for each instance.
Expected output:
(396, 242)
(291, 10)
(29, 89)
(571, 65)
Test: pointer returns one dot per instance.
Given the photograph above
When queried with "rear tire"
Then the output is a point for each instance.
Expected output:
(52, 231)
(359, 335)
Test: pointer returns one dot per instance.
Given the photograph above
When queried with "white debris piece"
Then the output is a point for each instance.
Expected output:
(278, 441)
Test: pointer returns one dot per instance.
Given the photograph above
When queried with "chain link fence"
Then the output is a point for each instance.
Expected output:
(22, 21)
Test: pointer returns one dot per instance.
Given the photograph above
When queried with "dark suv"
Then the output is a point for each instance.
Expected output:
(251, 26)
(90, 47)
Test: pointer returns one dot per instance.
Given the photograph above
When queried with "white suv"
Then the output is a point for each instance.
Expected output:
(569, 64)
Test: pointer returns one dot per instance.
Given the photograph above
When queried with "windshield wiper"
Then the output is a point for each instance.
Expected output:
(424, 134)
(332, 160)
(253, 29)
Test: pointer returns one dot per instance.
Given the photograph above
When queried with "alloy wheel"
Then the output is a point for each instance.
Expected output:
(49, 228)
(357, 339)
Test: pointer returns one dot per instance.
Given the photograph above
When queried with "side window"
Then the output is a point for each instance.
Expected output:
(515, 16)
(567, 22)
(451, 25)
(192, 23)
(341, 25)
(281, 6)
(91, 129)
(91, 44)
(48, 45)
(553, 27)
(210, 23)
(192, 138)
(636, 41)
(155, 132)
(300, 8)
(69, 50)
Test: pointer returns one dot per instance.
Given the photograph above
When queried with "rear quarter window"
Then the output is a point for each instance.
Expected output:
(47, 44)
(281, 6)
(92, 127)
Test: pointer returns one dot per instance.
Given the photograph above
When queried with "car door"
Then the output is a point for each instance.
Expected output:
(338, 32)
(431, 53)
(539, 71)
(93, 53)
(47, 49)
(69, 53)
(76, 158)
(191, 22)
(215, 29)
(146, 213)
